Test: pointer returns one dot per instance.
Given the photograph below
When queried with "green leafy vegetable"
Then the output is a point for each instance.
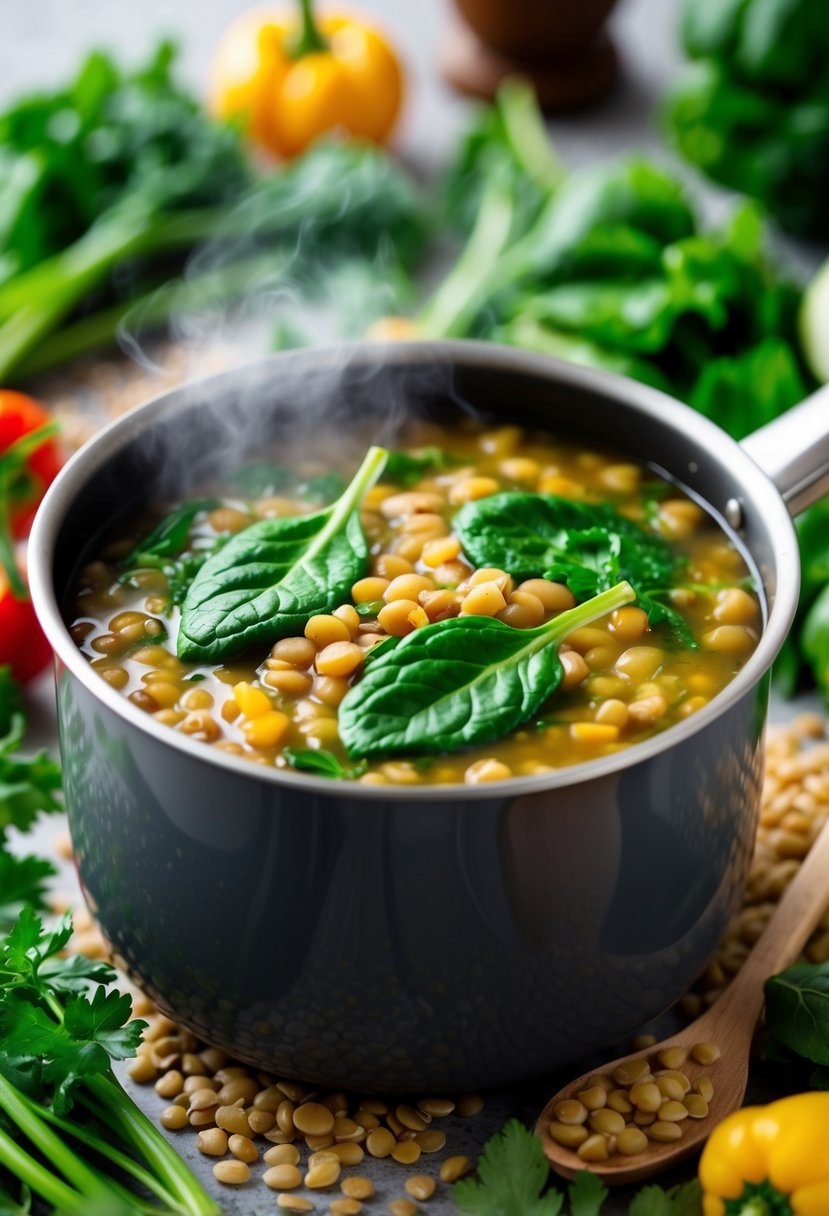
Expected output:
(512, 1174)
(752, 111)
(269, 579)
(512, 1179)
(408, 468)
(807, 647)
(170, 536)
(460, 681)
(797, 1010)
(56, 1044)
(588, 546)
(28, 785)
(120, 172)
(22, 881)
(320, 762)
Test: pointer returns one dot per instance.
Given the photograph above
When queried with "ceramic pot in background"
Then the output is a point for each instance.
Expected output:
(561, 47)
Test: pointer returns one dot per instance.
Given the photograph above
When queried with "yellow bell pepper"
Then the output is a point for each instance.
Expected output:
(292, 80)
(769, 1160)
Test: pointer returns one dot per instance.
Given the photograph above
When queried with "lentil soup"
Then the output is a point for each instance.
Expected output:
(419, 543)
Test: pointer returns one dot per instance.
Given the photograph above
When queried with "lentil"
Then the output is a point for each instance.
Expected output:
(357, 1187)
(454, 1168)
(231, 1173)
(619, 685)
(283, 1177)
(420, 1186)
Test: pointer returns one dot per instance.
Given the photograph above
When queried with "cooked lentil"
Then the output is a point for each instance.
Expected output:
(623, 680)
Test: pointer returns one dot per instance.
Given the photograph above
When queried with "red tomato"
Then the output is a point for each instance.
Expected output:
(23, 643)
(19, 415)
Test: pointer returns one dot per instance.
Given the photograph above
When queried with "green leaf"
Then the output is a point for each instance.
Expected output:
(586, 1194)
(269, 579)
(588, 546)
(408, 468)
(512, 1173)
(323, 763)
(797, 1010)
(458, 682)
(814, 641)
(170, 536)
(105, 1019)
(22, 880)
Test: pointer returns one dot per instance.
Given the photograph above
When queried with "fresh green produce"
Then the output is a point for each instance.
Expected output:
(807, 646)
(321, 763)
(588, 546)
(133, 172)
(512, 1175)
(58, 1036)
(797, 1016)
(57, 1086)
(459, 682)
(814, 323)
(752, 110)
(270, 578)
(608, 267)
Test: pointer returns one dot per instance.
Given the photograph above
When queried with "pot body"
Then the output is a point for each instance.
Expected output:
(429, 945)
(414, 938)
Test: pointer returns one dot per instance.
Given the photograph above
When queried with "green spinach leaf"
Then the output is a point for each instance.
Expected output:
(170, 536)
(321, 762)
(408, 468)
(797, 1010)
(588, 546)
(269, 579)
(458, 682)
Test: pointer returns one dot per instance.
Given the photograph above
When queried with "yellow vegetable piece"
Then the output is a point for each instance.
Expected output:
(291, 80)
(763, 1152)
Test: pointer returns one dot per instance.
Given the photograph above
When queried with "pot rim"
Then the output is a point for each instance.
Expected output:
(645, 400)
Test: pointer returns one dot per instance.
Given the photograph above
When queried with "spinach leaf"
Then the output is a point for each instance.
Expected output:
(269, 579)
(588, 546)
(458, 682)
(321, 762)
(170, 536)
(265, 477)
(797, 1010)
(408, 468)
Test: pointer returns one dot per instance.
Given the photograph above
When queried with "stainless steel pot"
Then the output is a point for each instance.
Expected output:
(417, 938)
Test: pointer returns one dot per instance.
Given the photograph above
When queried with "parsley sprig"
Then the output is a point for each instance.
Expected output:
(513, 1174)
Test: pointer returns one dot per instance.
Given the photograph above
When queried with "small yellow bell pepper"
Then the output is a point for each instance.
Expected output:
(769, 1160)
(293, 80)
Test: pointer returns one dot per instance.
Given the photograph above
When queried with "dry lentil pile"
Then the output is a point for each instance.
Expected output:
(795, 803)
(641, 1100)
(794, 807)
(623, 680)
(301, 1138)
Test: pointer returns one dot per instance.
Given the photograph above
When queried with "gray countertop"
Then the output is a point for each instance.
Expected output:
(41, 43)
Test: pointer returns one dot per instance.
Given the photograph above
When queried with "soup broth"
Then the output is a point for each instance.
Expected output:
(444, 502)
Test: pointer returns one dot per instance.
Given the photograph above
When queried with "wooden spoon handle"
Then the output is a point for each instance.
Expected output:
(803, 903)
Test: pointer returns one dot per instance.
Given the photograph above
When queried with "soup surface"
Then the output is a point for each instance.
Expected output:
(450, 647)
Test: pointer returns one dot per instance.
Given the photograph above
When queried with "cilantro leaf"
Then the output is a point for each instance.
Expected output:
(512, 1173)
(678, 1201)
(21, 881)
(104, 1020)
(586, 1194)
(27, 784)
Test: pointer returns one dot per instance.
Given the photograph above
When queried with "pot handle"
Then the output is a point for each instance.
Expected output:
(793, 451)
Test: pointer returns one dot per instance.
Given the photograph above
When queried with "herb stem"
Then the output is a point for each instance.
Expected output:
(373, 464)
(119, 1159)
(71, 1166)
(138, 1131)
(39, 1179)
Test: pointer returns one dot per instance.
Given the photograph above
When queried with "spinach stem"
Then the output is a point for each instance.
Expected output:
(362, 481)
(560, 627)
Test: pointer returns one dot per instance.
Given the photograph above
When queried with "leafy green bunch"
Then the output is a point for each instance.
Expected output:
(28, 785)
(107, 185)
(608, 267)
(512, 1177)
(752, 110)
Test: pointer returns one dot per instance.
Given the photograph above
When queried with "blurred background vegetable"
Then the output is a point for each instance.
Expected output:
(291, 78)
(144, 178)
(752, 111)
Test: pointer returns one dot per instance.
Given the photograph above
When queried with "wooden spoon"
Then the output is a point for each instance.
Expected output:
(729, 1023)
